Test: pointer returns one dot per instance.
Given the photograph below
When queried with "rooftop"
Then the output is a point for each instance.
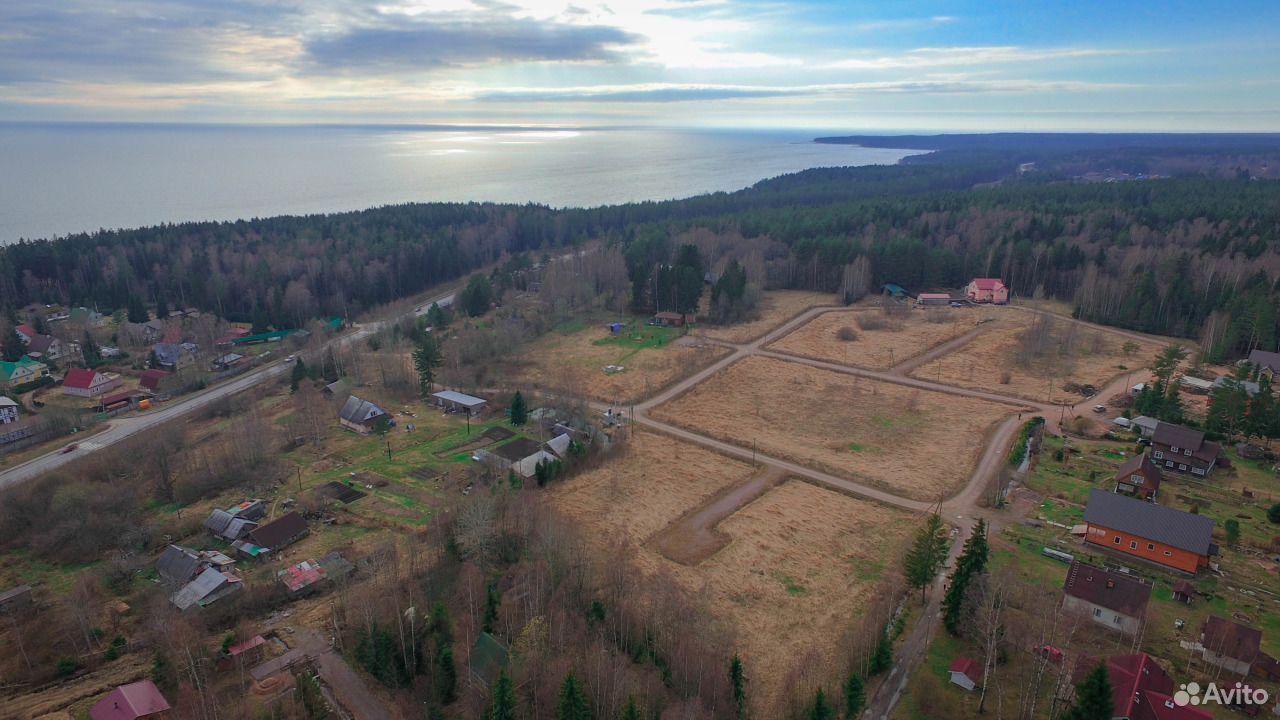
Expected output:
(462, 399)
(1109, 590)
(1193, 533)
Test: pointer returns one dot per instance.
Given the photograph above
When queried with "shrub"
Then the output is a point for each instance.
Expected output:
(67, 666)
(1006, 377)
(847, 334)
(1273, 513)
(867, 321)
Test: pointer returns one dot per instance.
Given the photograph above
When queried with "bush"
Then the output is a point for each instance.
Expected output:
(1273, 513)
(847, 334)
(67, 666)
(867, 321)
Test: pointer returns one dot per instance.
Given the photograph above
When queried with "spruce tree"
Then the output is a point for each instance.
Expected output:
(855, 696)
(573, 700)
(89, 351)
(298, 375)
(1093, 697)
(519, 409)
(927, 553)
(446, 674)
(631, 711)
(738, 681)
(882, 656)
(821, 709)
(426, 358)
(503, 706)
(11, 347)
(972, 561)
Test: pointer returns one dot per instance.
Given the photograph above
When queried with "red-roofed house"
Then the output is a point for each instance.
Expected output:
(987, 290)
(965, 672)
(151, 379)
(25, 333)
(244, 654)
(130, 702)
(1140, 689)
(88, 383)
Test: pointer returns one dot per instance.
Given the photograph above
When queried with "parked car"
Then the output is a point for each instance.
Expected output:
(1099, 408)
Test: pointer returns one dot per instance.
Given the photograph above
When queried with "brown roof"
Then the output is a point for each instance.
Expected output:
(151, 378)
(1140, 463)
(1178, 436)
(1230, 638)
(1109, 590)
(279, 532)
(667, 315)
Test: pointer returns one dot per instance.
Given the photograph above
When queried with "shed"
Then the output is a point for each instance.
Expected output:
(560, 444)
(178, 564)
(1183, 592)
(359, 415)
(1146, 425)
(337, 389)
(301, 578)
(247, 653)
(8, 410)
(615, 327)
(668, 319)
(15, 599)
(528, 466)
(965, 672)
(335, 566)
(460, 402)
(208, 587)
(933, 299)
(131, 702)
(254, 509)
(281, 532)
(893, 290)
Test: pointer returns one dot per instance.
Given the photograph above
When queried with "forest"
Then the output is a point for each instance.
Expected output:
(1191, 250)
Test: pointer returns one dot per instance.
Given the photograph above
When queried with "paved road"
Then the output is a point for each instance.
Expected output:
(125, 427)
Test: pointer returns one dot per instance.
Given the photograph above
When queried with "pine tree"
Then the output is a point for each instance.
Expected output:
(927, 553)
(162, 306)
(972, 561)
(573, 701)
(89, 351)
(882, 656)
(1093, 697)
(11, 347)
(426, 358)
(821, 709)
(631, 711)
(855, 696)
(137, 312)
(503, 706)
(519, 409)
(491, 601)
(738, 681)
(299, 374)
(446, 674)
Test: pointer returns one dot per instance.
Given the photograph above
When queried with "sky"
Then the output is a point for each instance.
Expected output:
(880, 66)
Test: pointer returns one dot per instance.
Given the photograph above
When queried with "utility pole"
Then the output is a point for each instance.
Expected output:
(388, 441)
(299, 469)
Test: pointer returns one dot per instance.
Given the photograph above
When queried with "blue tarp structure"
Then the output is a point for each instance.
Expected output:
(615, 327)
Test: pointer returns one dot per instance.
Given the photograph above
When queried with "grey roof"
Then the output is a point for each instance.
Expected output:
(359, 411)
(218, 521)
(12, 593)
(238, 528)
(468, 401)
(337, 387)
(1193, 533)
(1265, 359)
(1178, 436)
(1248, 386)
(1147, 423)
(6, 402)
(336, 566)
(559, 444)
(167, 353)
(528, 466)
(208, 583)
(178, 564)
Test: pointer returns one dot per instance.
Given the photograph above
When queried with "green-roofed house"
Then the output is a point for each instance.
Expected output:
(25, 370)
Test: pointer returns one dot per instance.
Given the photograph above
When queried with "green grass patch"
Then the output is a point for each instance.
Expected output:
(794, 588)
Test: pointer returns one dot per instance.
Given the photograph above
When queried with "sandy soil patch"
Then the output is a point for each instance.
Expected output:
(776, 308)
(1094, 357)
(878, 348)
(916, 443)
(574, 363)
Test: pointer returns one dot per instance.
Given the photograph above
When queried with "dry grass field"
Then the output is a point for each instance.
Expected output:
(879, 348)
(574, 363)
(776, 308)
(998, 362)
(912, 442)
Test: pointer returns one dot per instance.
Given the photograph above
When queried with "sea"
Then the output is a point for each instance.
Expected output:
(67, 178)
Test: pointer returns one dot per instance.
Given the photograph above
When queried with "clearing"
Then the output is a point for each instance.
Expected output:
(573, 361)
(915, 443)
(1039, 358)
(881, 342)
(775, 308)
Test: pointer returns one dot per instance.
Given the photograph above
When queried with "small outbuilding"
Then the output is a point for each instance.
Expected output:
(131, 702)
(281, 532)
(1139, 477)
(933, 299)
(15, 599)
(359, 415)
(965, 672)
(454, 401)
(8, 410)
(1183, 592)
(668, 319)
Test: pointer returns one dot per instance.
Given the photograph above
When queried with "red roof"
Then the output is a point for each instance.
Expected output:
(1139, 688)
(118, 397)
(79, 378)
(302, 575)
(27, 330)
(151, 379)
(249, 644)
(968, 666)
(988, 283)
(129, 702)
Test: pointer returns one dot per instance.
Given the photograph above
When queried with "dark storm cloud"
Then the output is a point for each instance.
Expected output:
(426, 44)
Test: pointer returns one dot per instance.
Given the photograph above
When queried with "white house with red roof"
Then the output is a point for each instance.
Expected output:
(25, 333)
(88, 383)
(965, 672)
(987, 290)
(131, 702)
(1140, 689)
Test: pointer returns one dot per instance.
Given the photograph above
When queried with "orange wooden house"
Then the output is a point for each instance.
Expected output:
(1153, 533)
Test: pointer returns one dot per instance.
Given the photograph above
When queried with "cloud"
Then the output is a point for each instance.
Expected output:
(440, 43)
(972, 56)
(903, 24)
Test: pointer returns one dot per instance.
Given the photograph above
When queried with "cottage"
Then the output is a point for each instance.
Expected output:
(25, 333)
(965, 672)
(1138, 477)
(152, 379)
(208, 587)
(227, 362)
(131, 702)
(25, 370)
(1153, 533)
(80, 382)
(45, 348)
(987, 290)
(1140, 688)
(668, 319)
(460, 402)
(360, 415)
(8, 410)
(302, 578)
(1107, 598)
(1183, 449)
(280, 533)
(15, 599)
(933, 299)
(1230, 645)
(244, 654)
(1268, 363)
(179, 565)
(174, 356)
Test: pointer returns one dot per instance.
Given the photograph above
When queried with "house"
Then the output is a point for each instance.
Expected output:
(131, 702)
(88, 318)
(228, 361)
(965, 672)
(23, 371)
(228, 526)
(1268, 363)
(668, 319)
(527, 467)
(1109, 599)
(45, 348)
(559, 445)
(460, 402)
(1183, 592)
(987, 290)
(360, 415)
(153, 330)
(25, 333)
(244, 654)
(302, 578)
(8, 410)
(208, 587)
(1195, 385)
(1182, 449)
(1138, 477)
(151, 379)
(179, 565)
(1250, 388)
(15, 599)
(337, 389)
(255, 509)
(1153, 533)
(1230, 645)
(1140, 688)
(1145, 426)
(280, 533)
(174, 356)
(933, 299)
(80, 382)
